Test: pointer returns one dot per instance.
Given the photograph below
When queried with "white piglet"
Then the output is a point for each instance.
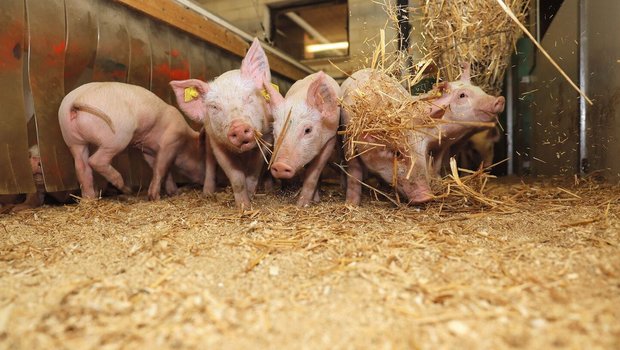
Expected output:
(235, 114)
(305, 126)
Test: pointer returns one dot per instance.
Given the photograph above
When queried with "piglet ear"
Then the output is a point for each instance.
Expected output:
(275, 98)
(466, 74)
(323, 98)
(190, 97)
(255, 65)
(437, 107)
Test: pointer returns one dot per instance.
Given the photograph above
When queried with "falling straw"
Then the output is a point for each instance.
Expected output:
(529, 35)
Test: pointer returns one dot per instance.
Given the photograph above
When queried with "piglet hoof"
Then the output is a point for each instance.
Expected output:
(303, 202)
(268, 185)
(5, 208)
(244, 206)
(21, 207)
(353, 200)
(154, 196)
(127, 190)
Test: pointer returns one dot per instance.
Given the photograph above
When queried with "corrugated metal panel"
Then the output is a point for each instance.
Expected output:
(46, 30)
(82, 38)
(139, 74)
(15, 170)
(72, 42)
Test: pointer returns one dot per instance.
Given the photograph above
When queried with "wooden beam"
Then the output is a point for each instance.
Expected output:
(176, 15)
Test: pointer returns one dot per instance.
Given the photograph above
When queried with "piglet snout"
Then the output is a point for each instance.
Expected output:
(282, 170)
(498, 105)
(241, 134)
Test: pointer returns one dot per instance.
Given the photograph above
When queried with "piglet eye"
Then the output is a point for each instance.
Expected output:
(307, 131)
(462, 95)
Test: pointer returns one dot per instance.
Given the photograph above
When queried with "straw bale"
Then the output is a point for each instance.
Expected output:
(477, 31)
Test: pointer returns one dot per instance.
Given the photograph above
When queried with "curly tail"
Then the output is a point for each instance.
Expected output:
(94, 111)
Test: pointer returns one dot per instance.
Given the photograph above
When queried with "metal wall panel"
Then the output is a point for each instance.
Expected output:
(112, 60)
(179, 58)
(46, 30)
(112, 64)
(139, 74)
(555, 107)
(82, 38)
(214, 59)
(160, 47)
(197, 60)
(70, 43)
(603, 82)
(15, 170)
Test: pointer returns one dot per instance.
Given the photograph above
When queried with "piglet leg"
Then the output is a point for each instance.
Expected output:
(354, 181)
(83, 171)
(313, 173)
(235, 175)
(161, 168)
(255, 165)
(33, 200)
(210, 170)
(101, 162)
(170, 185)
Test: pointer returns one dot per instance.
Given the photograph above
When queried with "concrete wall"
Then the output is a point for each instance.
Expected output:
(554, 148)
(555, 105)
(604, 85)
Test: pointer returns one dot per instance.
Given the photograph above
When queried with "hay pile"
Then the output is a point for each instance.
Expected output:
(385, 110)
(191, 272)
(478, 31)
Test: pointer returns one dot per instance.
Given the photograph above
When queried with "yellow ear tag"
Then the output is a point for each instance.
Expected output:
(191, 93)
(266, 94)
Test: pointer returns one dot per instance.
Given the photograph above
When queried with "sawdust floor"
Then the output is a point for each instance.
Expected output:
(542, 271)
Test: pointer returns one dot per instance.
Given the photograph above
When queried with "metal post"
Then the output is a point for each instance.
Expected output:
(583, 85)
(510, 118)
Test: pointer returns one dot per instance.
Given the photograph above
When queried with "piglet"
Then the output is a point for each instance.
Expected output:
(235, 114)
(392, 163)
(476, 151)
(459, 110)
(112, 116)
(464, 110)
(304, 129)
(33, 200)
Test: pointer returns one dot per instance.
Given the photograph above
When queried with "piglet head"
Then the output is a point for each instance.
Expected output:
(232, 106)
(399, 167)
(462, 101)
(35, 164)
(302, 127)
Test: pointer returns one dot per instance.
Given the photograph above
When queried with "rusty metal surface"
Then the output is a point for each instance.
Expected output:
(104, 41)
(15, 170)
(112, 64)
(159, 36)
(228, 61)
(140, 51)
(197, 60)
(179, 58)
(180, 67)
(112, 60)
(82, 37)
(139, 74)
(46, 30)
(213, 60)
